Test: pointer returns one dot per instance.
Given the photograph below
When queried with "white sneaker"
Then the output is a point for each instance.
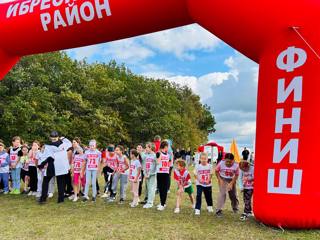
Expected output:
(75, 199)
(38, 194)
(34, 194)
(105, 195)
(161, 208)
(159, 205)
(197, 212)
(147, 206)
(133, 205)
(210, 209)
(30, 193)
(50, 195)
(71, 197)
(176, 210)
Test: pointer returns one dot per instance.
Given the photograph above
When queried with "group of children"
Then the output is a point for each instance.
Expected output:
(149, 165)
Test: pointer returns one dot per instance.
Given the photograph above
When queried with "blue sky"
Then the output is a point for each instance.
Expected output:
(222, 77)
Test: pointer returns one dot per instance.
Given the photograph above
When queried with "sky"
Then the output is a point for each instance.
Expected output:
(223, 78)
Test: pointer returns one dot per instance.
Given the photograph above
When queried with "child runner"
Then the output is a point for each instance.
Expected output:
(15, 165)
(110, 166)
(4, 168)
(141, 152)
(135, 176)
(246, 186)
(77, 166)
(121, 174)
(227, 172)
(33, 154)
(203, 173)
(93, 158)
(24, 160)
(150, 171)
(183, 179)
(164, 162)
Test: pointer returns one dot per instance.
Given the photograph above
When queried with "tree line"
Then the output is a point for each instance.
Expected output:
(104, 101)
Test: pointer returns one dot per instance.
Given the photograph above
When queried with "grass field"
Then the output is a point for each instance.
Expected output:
(22, 218)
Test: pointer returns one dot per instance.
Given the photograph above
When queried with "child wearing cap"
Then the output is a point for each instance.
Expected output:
(4, 168)
(227, 172)
(183, 180)
(93, 158)
(246, 186)
(203, 173)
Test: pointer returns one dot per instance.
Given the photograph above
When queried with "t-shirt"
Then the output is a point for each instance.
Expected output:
(203, 173)
(164, 166)
(227, 172)
(246, 178)
(149, 164)
(111, 161)
(182, 177)
(32, 158)
(134, 166)
(25, 162)
(14, 156)
(4, 160)
(93, 158)
(122, 165)
(78, 161)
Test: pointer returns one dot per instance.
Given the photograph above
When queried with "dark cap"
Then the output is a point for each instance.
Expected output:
(54, 134)
(110, 149)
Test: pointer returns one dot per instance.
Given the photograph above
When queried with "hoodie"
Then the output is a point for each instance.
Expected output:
(4, 162)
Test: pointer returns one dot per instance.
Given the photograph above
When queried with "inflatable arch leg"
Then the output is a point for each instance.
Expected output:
(287, 192)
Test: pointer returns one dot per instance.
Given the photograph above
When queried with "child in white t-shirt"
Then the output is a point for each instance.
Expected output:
(246, 178)
(135, 176)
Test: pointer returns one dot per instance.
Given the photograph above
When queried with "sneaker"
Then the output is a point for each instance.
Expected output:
(219, 213)
(85, 199)
(161, 208)
(176, 210)
(146, 206)
(71, 197)
(111, 199)
(210, 209)
(244, 217)
(105, 195)
(93, 199)
(75, 199)
(16, 192)
(121, 201)
(133, 205)
(38, 194)
(34, 193)
(50, 195)
(5, 193)
(197, 212)
(30, 194)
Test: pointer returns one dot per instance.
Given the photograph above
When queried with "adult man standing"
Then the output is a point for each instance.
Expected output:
(245, 154)
(56, 160)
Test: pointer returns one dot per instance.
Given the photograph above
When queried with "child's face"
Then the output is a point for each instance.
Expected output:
(165, 149)
(245, 166)
(139, 148)
(203, 160)
(74, 144)
(92, 146)
(35, 146)
(118, 151)
(148, 149)
(132, 156)
(229, 162)
(24, 151)
(16, 143)
(1, 148)
(180, 167)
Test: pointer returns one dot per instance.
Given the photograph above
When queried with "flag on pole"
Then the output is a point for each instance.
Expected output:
(234, 150)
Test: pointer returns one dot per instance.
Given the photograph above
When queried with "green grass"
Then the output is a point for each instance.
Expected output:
(22, 218)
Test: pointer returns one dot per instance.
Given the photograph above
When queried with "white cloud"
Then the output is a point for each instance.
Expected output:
(182, 41)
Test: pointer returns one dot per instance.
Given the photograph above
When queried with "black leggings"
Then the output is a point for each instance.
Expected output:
(163, 185)
(141, 183)
(33, 178)
(108, 184)
(61, 187)
(207, 194)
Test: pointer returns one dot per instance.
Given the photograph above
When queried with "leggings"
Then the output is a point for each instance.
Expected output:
(33, 178)
(123, 184)
(91, 177)
(15, 175)
(163, 185)
(207, 193)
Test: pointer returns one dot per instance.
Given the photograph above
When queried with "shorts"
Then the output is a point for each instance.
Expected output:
(77, 179)
(189, 190)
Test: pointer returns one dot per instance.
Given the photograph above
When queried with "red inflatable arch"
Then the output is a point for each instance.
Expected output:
(282, 36)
